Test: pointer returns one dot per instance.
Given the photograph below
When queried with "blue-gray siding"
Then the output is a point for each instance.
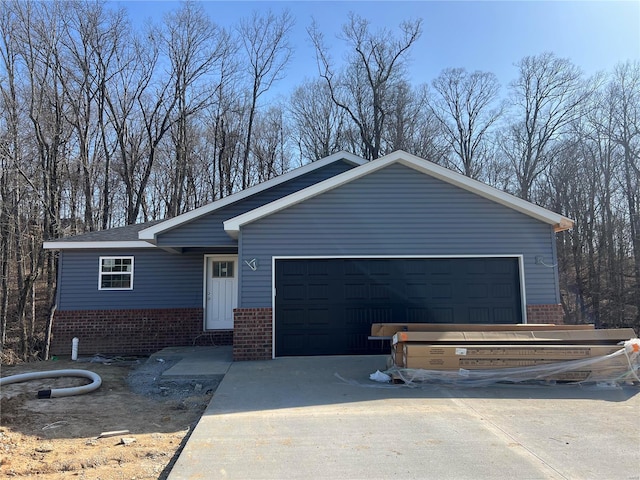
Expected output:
(397, 211)
(161, 280)
(209, 231)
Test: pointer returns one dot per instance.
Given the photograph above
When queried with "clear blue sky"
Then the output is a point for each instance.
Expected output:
(477, 35)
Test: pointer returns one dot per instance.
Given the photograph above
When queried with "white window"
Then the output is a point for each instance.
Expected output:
(116, 273)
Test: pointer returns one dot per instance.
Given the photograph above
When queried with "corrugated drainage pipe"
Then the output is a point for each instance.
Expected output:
(96, 381)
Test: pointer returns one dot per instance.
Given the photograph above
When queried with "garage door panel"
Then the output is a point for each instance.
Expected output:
(505, 315)
(439, 267)
(356, 316)
(318, 317)
(381, 268)
(327, 306)
(475, 267)
(297, 343)
(292, 317)
(502, 290)
(417, 315)
(416, 291)
(380, 291)
(355, 291)
(503, 266)
(294, 268)
(419, 269)
(476, 291)
(318, 292)
(441, 315)
(294, 292)
(308, 343)
(440, 291)
(354, 267)
(478, 315)
(380, 315)
(357, 343)
(321, 268)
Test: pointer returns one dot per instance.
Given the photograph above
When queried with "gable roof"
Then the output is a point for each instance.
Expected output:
(143, 235)
(559, 222)
(150, 234)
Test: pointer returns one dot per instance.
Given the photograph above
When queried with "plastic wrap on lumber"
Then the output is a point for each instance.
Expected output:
(621, 366)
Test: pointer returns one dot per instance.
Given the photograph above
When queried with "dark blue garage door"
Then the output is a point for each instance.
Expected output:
(327, 306)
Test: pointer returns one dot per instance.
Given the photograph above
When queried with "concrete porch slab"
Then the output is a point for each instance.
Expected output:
(195, 361)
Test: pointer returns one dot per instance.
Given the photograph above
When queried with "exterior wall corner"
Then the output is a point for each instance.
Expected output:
(549, 313)
(252, 334)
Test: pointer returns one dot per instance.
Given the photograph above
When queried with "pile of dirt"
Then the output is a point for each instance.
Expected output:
(61, 437)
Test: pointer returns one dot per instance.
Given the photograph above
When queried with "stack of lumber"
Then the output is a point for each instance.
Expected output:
(522, 352)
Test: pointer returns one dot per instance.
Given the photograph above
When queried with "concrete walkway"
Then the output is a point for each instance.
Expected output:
(294, 418)
(196, 361)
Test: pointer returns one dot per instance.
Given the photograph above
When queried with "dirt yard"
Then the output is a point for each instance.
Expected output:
(60, 438)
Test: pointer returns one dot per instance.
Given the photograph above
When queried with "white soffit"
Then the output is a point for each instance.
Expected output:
(62, 245)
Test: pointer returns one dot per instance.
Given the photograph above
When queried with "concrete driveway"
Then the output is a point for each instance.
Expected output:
(293, 418)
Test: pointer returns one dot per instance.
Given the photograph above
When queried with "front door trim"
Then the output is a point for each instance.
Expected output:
(208, 258)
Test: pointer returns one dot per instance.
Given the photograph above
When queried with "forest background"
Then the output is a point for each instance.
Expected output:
(104, 125)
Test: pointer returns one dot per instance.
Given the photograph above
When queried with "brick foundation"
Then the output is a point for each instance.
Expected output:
(252, 334)
(132, 332)
(545, 314)
(141, 332)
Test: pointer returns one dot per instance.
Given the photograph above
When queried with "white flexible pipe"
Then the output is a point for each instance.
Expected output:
(57, 392)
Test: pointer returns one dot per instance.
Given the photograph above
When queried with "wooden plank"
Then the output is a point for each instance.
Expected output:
(389, 329)
(397, 354)
(545, 352)
(604, 336)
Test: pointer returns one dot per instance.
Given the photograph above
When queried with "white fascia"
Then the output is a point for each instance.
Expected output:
(53, 245)
(232, 226)
(150, 234)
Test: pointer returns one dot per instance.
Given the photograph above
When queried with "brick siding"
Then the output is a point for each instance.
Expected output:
(141, 332)
(252, 334)
(545, 314)
(132, 332)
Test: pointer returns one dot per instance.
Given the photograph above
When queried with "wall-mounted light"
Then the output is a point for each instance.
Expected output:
(252, 264)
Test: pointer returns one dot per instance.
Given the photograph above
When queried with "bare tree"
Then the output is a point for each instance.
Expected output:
(137, 112)
(9, 154)
(466, 109)
(317, 121)
(265, 39)
(269, 144)
(545, 99)
(91, 39)
(411, 125)
(363, 88)
(195, 47)
(36, 148)
(625, 98)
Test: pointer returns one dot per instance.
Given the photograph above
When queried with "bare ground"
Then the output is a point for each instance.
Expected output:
(59, 438)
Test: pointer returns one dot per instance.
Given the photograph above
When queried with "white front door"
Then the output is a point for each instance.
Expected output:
(221, 292)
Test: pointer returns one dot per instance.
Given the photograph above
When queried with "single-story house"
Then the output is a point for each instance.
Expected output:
(303, 264)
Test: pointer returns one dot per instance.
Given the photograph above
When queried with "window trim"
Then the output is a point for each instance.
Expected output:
(101, 273)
